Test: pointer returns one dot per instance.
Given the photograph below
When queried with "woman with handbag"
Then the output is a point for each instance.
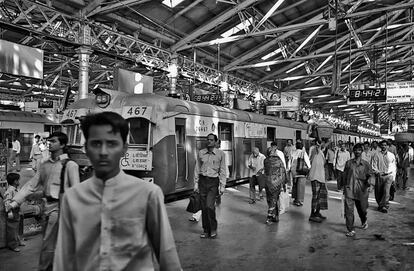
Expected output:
(299, 166)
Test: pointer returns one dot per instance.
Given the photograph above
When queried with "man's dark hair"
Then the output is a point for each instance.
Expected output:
(215, 136)
(384, 141)
(274, 143)
(37, 136)
(367, 143)
(290, 140)
(62, 137)
(116, 121)
(12, 177)
(357, 146)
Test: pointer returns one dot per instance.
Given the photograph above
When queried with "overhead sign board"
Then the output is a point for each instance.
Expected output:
(289, 101)
(367, 96)
(400, 92)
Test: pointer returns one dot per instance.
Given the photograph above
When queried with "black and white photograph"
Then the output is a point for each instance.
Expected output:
(206, 135)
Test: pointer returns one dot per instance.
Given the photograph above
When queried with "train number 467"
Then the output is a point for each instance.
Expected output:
(137, 111)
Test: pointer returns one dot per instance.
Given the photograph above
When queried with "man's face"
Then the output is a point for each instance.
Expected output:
(105, 149)
(289, 143)
(211, 142)
(54, 144)
(256, 151)
(357, 152)
(374, 145)
(366, 147)
(384, 146)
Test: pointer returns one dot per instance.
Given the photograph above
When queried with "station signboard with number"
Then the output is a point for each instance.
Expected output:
(137, 111)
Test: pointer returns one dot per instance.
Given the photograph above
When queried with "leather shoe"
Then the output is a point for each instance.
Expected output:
(213, 235)
(320, 216)
(315, 219)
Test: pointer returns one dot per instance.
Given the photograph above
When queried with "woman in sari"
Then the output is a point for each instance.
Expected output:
(299, 178)
(276, 178)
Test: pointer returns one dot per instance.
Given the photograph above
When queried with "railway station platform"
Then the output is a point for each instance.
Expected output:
(245, 242)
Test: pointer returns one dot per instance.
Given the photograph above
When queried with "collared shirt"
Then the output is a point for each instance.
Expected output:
(330, 156)
(47, 179)
(357, 177)
(317, 170)
(367, 156)
(257, 163)
(287, 151)
(384, 163)
(411, 153)
(16, 146)
(117, 224)
(340, 159)
(211, 164)
(8, 197)
(36, 152)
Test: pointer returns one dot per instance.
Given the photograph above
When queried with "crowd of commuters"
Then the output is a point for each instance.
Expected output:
(89, 226)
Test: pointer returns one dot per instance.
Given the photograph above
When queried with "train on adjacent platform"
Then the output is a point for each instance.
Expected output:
(24, 126)
(166, 134)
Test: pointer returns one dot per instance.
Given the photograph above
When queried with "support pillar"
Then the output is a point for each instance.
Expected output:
(83, 53)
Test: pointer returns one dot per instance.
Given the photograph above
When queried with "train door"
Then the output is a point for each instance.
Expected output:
(225, 131)
(298, 135)
(181, 153)
(271, 136)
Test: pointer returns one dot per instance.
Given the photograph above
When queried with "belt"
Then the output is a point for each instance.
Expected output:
(50, 199)
(208, 177)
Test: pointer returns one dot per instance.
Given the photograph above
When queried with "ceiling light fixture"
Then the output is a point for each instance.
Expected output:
(267, 68)
(311, 101)
(331, 111)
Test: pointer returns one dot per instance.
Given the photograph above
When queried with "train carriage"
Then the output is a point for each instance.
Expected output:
(166, 134)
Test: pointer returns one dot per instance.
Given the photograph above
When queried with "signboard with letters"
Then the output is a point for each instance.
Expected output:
(400, 92)
(45, 104)
(289, 101)
(254, 130)
(137, 160)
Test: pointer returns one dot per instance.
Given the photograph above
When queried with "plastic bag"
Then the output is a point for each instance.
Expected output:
(284, 202)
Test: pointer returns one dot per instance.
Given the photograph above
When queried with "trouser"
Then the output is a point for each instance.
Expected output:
(382, 190)
(404, 177)
(50, 232)
(37, 160)
(361, 206)
(13, 236)
(208, 193)
(298, 189)
(253, 181)
(331, 171)
(14, 158)
(339, 177)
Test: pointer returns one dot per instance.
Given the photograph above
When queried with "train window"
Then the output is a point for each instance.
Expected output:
(298, 134)
(247, 146)
(74, 133)
(225, 133)
(138, 131)
(271, 133)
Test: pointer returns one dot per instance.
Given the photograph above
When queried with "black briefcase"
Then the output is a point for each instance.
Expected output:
(195, 203)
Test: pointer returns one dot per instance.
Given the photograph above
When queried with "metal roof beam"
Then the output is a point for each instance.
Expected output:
(210, 25)
(113, 7)
(184, 10)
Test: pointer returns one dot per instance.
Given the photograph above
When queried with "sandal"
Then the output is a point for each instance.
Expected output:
(350, 234)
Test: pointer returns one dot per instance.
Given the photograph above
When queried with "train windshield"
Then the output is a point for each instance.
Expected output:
(139, 132)
(74, 133)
